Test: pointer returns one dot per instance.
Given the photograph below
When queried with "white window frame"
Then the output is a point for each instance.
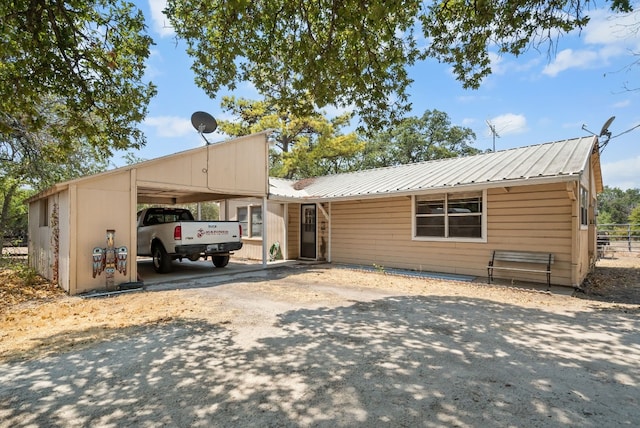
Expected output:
(445, 196)
(248, 231)
(583, 207)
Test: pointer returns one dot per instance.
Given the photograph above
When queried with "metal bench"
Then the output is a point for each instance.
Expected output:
(520, 257)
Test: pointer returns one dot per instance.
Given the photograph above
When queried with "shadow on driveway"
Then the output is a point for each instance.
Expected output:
(396, 361)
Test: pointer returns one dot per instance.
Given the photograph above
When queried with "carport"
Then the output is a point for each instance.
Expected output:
(69, 219)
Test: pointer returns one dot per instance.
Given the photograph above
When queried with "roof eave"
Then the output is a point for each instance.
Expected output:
(422, 191)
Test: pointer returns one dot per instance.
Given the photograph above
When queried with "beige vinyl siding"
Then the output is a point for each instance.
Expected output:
(64, 240)
(323, 232)
(275, 226)
(251, 247)
(236, 167)
(40, 257)
(293, 232)
(273, 222)
(531, 218)
(105, 204)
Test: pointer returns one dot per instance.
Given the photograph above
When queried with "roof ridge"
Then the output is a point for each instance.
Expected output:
(488, 153)
(562, 158)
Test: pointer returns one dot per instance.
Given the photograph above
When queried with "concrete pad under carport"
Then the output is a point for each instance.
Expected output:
(188, 270)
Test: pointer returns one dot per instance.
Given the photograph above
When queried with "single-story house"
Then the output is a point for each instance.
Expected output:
(444, 216)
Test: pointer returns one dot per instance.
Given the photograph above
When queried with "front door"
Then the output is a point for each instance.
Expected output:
(308, 231)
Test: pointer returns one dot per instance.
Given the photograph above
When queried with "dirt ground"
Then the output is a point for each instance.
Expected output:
(325, 346)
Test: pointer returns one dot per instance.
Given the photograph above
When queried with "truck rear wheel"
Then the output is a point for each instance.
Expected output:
(161, 260)
(220, 261)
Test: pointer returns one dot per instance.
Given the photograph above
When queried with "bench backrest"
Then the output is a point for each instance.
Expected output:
(522, 257)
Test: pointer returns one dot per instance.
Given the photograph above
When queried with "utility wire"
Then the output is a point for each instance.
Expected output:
(626, 132)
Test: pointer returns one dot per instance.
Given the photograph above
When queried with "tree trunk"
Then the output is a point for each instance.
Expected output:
(9, 193)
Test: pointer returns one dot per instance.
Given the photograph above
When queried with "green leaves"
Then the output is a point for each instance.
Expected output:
(462, 32)
(343, 53)
(71, 89)
(304, 146)
(312, 145)
(73, 70)
(419, 139)
(617, 205)
(355, 53)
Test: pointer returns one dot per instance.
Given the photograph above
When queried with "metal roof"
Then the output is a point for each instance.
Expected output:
(557, 161)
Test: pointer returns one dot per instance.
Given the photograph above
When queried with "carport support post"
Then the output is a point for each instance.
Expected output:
(264, 231)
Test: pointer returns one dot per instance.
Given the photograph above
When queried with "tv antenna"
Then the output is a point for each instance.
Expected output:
(604, 134)
(494, 133)
(204, 124)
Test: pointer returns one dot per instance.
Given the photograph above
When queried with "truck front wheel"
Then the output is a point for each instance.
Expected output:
(220, 261)
(161, 260)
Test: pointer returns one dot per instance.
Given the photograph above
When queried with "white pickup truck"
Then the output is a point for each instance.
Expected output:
(168, 234)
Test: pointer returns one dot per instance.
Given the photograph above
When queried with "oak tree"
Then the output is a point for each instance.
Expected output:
(73, 70)
(71, 90)
(357, 52)
(418, 139)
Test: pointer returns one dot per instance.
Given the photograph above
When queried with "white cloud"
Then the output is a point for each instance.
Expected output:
(569, 58)
(622, 174)
(160, 22)
(606, 28)
(497, 66)
(622, 104)
(170, 126)
(607, 36)
(508, 124)
(500, 66)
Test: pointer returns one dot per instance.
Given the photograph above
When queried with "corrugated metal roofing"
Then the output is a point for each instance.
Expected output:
(561, 160)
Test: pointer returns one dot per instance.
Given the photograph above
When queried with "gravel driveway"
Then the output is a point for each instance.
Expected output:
(311, 348)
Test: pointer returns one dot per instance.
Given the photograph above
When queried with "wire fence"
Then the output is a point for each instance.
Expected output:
(618, 238)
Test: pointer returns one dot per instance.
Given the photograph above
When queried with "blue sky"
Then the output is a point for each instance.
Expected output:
(532, 99)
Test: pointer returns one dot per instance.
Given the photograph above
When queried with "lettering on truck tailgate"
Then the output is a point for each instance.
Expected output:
(202, 232)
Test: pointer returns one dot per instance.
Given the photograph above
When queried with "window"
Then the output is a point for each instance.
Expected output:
(242, 219)
(584, 206)
(256, 221)
(253, 229)
(44, 212)
(452, 215)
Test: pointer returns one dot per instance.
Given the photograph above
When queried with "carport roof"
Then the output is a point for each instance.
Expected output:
(157, 192)
(564, 160)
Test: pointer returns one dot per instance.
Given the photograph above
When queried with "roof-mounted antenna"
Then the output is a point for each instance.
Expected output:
(204, 124)
(495, 134)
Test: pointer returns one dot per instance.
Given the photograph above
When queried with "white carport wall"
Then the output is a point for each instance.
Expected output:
(232, 169)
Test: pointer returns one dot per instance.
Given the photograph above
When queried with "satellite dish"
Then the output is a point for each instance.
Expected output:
(605, 127)
(605, 134)
(203, 122)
